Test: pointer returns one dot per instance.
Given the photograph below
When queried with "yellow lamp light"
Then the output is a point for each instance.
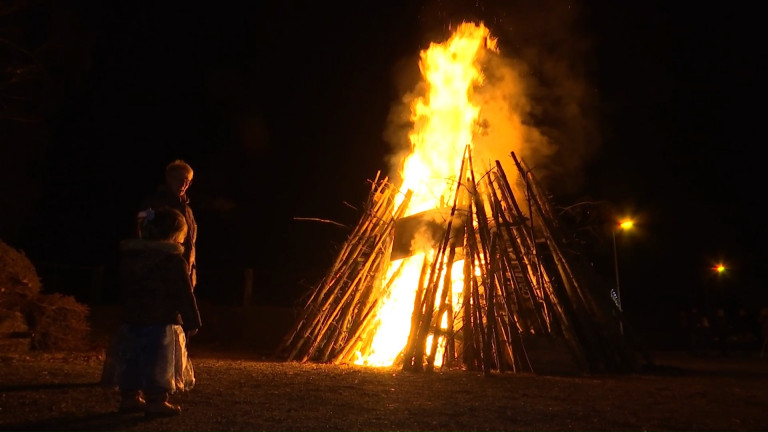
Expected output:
(626, 224)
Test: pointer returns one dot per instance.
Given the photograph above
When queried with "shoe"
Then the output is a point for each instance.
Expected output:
(162, 409)
(132, 404)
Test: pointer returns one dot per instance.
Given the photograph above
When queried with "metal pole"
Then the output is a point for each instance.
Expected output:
(616, 269)
(618, 289)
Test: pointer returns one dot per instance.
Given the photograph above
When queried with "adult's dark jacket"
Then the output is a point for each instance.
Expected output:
(155, 285)
(165, 197)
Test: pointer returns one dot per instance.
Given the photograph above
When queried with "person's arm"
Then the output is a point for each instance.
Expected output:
(186, 301)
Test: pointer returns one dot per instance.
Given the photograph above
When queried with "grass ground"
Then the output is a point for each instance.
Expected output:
(240, 388)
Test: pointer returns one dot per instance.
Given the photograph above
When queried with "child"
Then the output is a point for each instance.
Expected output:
(158, 303)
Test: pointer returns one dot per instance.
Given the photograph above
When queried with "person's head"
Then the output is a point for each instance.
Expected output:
(163, 224)
(178, 176)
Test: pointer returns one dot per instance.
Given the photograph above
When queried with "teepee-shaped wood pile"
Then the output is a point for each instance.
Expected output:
(521, 284)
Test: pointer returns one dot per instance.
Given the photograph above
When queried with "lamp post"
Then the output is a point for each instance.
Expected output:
(624, 225)
(715, 294)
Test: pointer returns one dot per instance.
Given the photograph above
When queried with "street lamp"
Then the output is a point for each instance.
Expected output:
(625, 224)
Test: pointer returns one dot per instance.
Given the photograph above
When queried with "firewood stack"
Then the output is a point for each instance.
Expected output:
(521, 284)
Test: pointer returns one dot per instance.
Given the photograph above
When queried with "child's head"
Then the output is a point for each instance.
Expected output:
(163, 224)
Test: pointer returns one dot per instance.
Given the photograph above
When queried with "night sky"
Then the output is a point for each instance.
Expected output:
(281, 109)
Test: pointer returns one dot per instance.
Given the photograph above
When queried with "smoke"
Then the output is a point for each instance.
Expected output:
(536, 100)
(399, 122)
(551, 52)
(505, 125)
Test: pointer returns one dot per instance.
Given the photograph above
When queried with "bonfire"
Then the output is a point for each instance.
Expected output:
(459, 261)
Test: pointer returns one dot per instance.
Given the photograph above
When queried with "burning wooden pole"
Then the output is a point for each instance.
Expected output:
(414, 353)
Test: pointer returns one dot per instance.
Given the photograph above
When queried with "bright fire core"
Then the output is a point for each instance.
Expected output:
(443, 123)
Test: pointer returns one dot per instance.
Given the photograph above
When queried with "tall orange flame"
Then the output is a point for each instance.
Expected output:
(443, 123)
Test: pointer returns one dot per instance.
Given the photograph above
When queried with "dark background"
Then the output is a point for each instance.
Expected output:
(281, 109)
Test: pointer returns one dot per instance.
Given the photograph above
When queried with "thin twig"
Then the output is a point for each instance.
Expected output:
(320, 220)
